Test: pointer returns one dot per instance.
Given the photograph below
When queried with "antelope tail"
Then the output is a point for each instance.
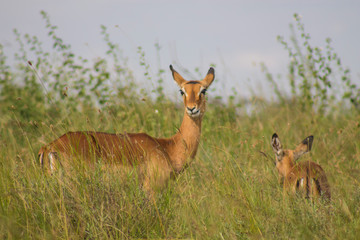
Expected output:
(43, 157)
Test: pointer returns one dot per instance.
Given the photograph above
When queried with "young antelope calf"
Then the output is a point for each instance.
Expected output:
(307, 177)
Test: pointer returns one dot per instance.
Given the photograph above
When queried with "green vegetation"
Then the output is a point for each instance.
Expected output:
(230, 191)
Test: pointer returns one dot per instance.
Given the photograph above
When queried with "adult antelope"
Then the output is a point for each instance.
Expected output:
(307, 177)
(155, 158)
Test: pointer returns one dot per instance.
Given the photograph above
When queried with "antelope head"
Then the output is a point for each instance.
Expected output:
(193, 92)
(285, 158)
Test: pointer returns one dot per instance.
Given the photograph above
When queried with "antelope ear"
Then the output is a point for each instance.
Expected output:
(177, 77)
(303, 147)
(276, 144)
(209, 78)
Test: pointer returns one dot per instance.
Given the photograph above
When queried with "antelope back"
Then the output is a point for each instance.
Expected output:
(92, 146)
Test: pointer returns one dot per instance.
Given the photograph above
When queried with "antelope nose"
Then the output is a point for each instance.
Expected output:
(190, 109)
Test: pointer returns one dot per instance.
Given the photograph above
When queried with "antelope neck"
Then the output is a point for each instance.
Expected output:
(189, 133)
(183, 145)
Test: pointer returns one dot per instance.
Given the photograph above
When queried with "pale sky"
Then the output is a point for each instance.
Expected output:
(234, 35)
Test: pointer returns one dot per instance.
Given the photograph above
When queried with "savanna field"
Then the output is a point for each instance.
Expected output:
(230, 191)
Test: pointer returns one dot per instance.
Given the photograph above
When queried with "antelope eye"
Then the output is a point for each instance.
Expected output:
(204, 91)
(181, 92)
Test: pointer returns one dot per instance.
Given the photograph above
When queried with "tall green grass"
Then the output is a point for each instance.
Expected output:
(230, 191)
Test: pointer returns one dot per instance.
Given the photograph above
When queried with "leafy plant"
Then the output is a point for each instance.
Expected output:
(314, 72)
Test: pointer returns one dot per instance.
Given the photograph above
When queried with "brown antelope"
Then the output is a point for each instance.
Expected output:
(305, 177)
(155, 158)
